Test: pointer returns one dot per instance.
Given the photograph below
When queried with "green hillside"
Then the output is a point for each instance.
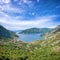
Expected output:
(6, 34)
(48, 49)
(35, 30)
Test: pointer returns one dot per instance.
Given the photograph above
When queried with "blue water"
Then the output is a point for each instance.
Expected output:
(29, 37)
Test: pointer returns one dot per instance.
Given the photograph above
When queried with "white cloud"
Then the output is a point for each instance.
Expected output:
(45, 21)
(4, 1)
(32, 13)
(38, 0)
(15, 23)
(9, 8)
(27, 1)
(6, 6)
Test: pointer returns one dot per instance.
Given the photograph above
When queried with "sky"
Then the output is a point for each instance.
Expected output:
(23, 14)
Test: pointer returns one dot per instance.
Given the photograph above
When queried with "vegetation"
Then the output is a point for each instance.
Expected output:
(35, 30)
(48, 49)
(8, 52)
(6, 34)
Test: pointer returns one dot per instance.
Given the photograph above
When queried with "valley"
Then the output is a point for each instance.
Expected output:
(47, 49)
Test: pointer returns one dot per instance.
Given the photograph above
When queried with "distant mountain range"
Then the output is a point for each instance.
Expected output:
(35, 30)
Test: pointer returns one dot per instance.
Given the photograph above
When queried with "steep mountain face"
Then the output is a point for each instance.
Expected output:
(4, 33)
(35, 30)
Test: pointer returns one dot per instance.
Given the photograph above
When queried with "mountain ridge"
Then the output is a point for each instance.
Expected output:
(35, 30)
(4, 33)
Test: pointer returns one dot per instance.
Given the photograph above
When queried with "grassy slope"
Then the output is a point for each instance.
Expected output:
(48, 49)
(38, 50)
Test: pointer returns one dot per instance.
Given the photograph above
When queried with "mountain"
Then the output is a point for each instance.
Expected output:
(57, 29)
(52, 38)
(54, 31)
(51, 41)
(35, 30)
(47, 49)
(6, 34)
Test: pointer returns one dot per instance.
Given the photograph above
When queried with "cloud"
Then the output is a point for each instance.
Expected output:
(4, 1)
(10, 9)
(27, 3)
(38, 0)
(13, 24)
(7, 7)
(16, 22)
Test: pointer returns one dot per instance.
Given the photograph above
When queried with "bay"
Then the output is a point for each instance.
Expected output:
(29, 37)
